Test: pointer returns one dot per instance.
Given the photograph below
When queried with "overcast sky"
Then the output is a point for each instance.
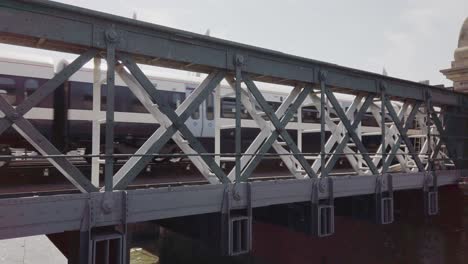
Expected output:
(412, 39)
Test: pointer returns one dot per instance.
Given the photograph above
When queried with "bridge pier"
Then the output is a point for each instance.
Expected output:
(68, 243)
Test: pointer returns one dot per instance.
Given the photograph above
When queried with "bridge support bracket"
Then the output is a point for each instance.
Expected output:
(322, 210)
(107, 246)
(104, 244)
(236, 224)
(431, 195)
(384, 199)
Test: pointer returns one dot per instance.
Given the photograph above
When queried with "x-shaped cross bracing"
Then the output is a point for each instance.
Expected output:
(268, 136)
(172, 122)
(399, 129)
(15, 117)
(338, 132)
(265, 129)
(351, 132)
(165, 122)
(441, 139)
(391, 137)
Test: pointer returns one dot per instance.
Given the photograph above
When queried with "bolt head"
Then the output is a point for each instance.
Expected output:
(14, 116)
(322, 186)
(383, 86)
(240, 60)
(236, 196)
(107, 206)
(323, 75)
(112, 35)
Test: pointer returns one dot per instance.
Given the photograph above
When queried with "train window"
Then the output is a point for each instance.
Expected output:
(8, 89)
(228, 109)
(123, 99)
(276, 105)
(31, 85)
(137, 106)
(196, 114)
(210, 107)
(310, 114)
(177, 99)
(172, 99)
(81, 95)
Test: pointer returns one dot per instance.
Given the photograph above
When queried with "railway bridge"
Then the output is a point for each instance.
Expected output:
(421, 130)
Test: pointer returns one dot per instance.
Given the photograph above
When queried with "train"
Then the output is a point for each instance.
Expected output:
(65, 117)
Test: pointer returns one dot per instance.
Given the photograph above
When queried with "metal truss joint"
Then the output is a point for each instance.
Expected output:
(323, 74)
(383, 86)
(112, 36)
(239, 60)
(13, 116)
(107, 203)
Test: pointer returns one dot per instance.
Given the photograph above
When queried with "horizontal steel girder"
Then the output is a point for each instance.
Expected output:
(56, 26)
(57, 213)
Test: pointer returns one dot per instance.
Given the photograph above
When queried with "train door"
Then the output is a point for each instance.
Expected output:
(208, 128)
(194, 123)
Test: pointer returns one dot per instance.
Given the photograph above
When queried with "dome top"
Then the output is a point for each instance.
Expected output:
(463, 39)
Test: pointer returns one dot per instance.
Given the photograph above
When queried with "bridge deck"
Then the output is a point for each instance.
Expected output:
(31, 215)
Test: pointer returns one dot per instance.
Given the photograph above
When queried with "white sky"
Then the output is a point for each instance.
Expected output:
(412, 39)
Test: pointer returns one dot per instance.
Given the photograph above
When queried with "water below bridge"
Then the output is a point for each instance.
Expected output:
(279, 238)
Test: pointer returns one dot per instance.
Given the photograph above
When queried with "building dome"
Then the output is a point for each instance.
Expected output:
(462, 51)
(459, 71)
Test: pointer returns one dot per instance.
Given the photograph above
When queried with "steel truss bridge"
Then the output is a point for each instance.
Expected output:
(126, 44)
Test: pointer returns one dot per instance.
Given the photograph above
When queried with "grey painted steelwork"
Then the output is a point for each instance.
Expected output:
(396, 146)
(279, 131)
(14, 117)
(51, 214)
(280, 125)
(339, 149)
(163, 135)
(443, 134)
(238, 136)
(383, 126)
(73, 29)
(124, 43)
(322, 124)
(403, 134)
(351, 131)
(111, 39)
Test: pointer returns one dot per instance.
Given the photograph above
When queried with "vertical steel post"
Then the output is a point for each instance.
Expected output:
(428, 132)
(383, 126)
(217, 117)
(96, 135)
(111, 38)
(238, 143)
(300, 129)
(323, 171)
